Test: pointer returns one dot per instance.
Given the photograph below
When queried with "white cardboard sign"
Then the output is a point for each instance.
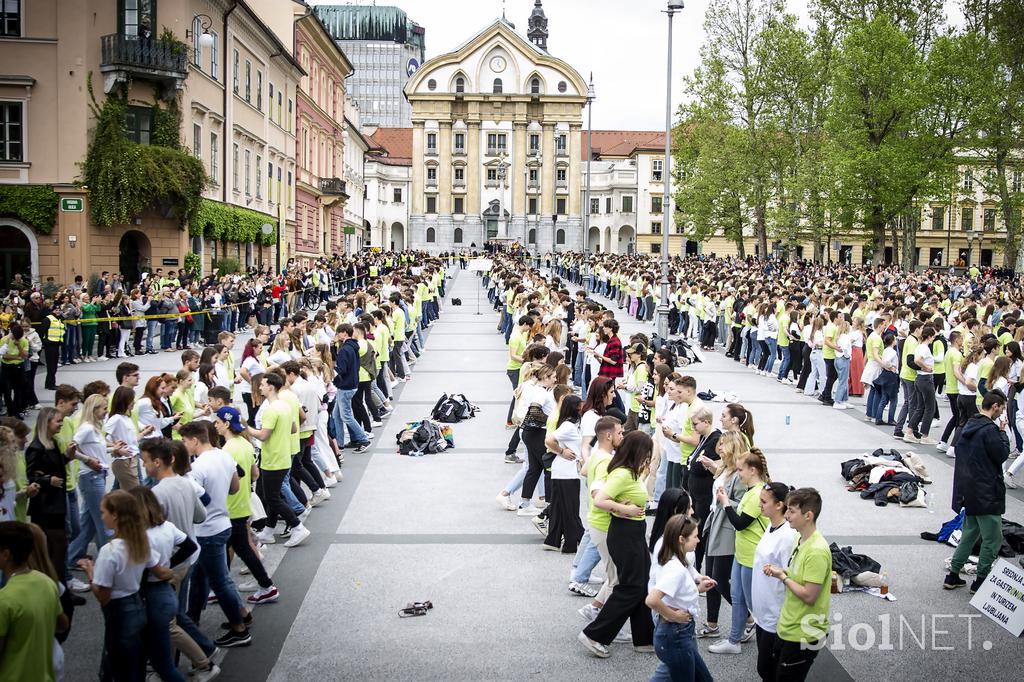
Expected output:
(1001, 596)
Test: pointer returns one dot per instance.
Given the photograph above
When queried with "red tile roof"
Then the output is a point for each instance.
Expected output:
(394, 145)
(621, 143)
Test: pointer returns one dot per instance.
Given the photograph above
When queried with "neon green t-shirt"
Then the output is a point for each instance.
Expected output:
(276, 452)
(640, 376)
(907, 372)
(29, 608)
(597, 473)
(623, 487)
(953, 359)
(783, 336)
(874, 341)
(241, 450)
(811, 562)
(516, 346)
(747, 539)
(830, 335)
(984, 369)
(293, 401)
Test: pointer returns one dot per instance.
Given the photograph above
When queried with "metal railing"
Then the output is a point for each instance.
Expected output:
(144, 53)
(332, 186)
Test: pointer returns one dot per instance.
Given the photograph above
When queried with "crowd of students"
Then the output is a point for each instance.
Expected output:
(636, 441)
(143, 494)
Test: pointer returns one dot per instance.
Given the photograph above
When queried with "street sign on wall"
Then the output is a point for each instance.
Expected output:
(72, 205)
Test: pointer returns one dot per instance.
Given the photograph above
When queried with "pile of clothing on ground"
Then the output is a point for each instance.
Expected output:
(854, 570)
(425, 437)
(949, 533)
(888, 476)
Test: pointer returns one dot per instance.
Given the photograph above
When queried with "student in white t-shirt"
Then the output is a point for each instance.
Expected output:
(564, 525)
(216, 472)
(115, 578)
(767, 593)
(675, 600)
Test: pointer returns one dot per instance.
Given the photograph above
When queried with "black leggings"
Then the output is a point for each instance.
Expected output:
(805, 367)
(968, 407)
(275, 503)
(702, 509)
(303, 468)
(719, 569)
(762, 360)
(361, 402)
(954, 417)
(534, 440)
(243, 550)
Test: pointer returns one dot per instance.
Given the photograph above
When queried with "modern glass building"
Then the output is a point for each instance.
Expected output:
(386, 48)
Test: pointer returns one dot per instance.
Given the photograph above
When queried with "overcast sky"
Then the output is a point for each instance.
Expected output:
(623, 42)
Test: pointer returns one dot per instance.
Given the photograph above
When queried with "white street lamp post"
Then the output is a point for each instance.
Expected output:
(666, 204)
(590, 153)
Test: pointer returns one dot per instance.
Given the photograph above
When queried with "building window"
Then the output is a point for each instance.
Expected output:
(248, 187)
(270, 100)
(431, 208)
(432, 173)
(627, 204)
(608, 205)
(560, 234)
(248, 81)
(680, 229)
(496, 142)
(279, 186)
(214, 61)
(213, 157)
(497, 86)
(460, 84)
(270, 181)
(397, 195)
(492, 175)
(655, 228)
(140, 124)
(533, 176)
(531, 236)
(938, 213)
(1015, 182)
(560, 148)
(534, 142)
(234, 71)
(460, 142)
(595, 206)
(967, 219)
(259, 90)
(11, 131)
(560, 206)
(990, 219)
(458, 232)
(968, 180)
(279, 107)
(197, 141)
(289, 188)
(535, 86)
(460, 174)
(432, 142)
(431, 232)
(197, 47)
(655, 204)
(657, 165)
(290, 119)
(234, 166)
(10, 18)
(458, 209)
(560, 176)
(259, 177)
(655, 248)
(132, 14)
(533, 206)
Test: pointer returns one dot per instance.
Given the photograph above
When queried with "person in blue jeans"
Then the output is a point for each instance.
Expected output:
(675, 598)
(843, 355)
(347, 380)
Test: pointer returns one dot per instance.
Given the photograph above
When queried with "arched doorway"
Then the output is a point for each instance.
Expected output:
(19, 253)
(594, 239)
(607, 245)
(625, 240)
(397, 237)
(134, 253)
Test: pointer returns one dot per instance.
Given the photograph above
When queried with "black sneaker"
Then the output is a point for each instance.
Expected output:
(247, 620)
(232, 639)
(362, 447)
(978, 582)
(953, 581)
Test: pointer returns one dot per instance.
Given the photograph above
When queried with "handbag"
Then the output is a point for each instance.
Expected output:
(258, 512)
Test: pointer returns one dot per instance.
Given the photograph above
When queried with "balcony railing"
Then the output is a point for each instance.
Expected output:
(159, 57)
(459, 182)
(332, 186)
(431, 151)
(561, 151)
(459, 151)
(495, 151)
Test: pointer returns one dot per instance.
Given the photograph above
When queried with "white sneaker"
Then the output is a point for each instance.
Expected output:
(205, 675)
(951, 451)
(599, 650)
(378, 423)
(588, 612)
(505, 502)
(317, 499)
(725, 647)
(266, 536)
(529, 510)
(299, 534)
(77, 585)
(305, 513)
(330, 481)
(625, 635)
(325, 493)
(370, 436)
(249, 586)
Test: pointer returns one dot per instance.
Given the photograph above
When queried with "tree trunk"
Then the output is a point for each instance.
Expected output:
(1011, 247)
(875, 226)
(909, 242)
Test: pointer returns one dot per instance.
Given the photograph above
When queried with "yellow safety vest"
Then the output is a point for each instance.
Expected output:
(56, 331)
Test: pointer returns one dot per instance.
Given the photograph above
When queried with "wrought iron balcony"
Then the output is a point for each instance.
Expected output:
(148, 57)
(333, 186)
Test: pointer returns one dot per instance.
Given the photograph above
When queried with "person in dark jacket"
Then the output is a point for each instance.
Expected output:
(347, 380)
(45, 466)
(978, 488)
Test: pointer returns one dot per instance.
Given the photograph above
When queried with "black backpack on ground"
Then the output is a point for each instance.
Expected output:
(451, 409)
(424, 438)
(456, 301)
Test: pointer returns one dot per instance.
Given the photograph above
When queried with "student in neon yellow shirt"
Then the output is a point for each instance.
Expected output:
(828, 354)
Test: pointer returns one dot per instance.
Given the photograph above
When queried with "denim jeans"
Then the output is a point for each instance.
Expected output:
(289, 497)
(161, 607)
(123, 622)
(843, 379)
(210, 572)
(676, 648)
(816, 379)
(587, 558)
(93, 485)
(343, 415)
(184, 622)
(72, 526)
(739, 590)
(151, 327)
(771, 355)
(167, 334)
(784, 365)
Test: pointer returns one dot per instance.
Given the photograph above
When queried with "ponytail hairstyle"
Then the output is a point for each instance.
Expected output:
(678, 527)
(755, 459)
(131, 526)
(746, 420)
